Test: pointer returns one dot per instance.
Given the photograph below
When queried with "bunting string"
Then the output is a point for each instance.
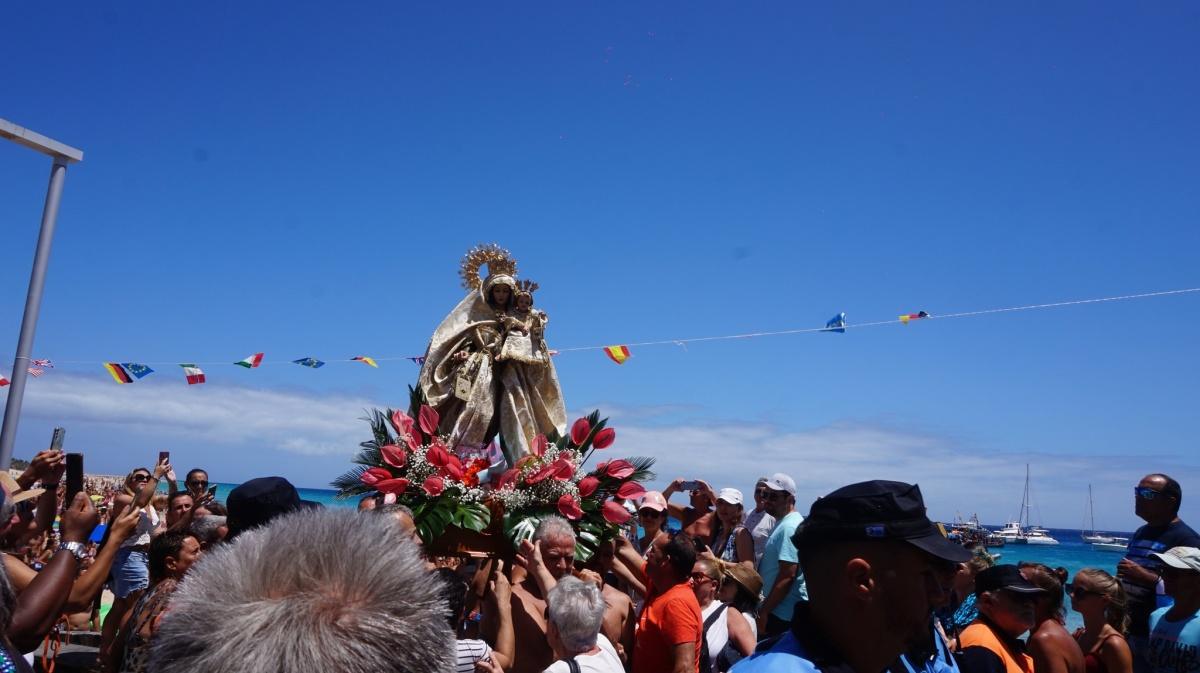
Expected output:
(617, 353)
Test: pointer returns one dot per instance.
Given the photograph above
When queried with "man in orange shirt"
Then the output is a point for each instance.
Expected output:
(670, 628)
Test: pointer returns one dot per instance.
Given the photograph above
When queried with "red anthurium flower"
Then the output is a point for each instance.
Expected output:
(402, 422)
(604, 438)
(434, 486)
(428, 420)
(563, 469)
(569, 508)
(397, 486)
(543, 474)
(588, 486)
(507, 478)
(374, 476)
(539, 445)
(393, 455)
(600, 469)
(614, 512)
(630, 490)
(619, 469)
(437, 455)
(580, 431)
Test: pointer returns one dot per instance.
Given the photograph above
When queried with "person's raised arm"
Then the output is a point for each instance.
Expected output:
(91, 582)
(143, 496)
(172, 484)
(743, 542)
(504, 649)
(40, 604)
(673, 509)
(529, 556)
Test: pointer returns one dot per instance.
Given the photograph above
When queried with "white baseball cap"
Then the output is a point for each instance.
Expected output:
(730, 495)
(1181, 558)
(781, 482)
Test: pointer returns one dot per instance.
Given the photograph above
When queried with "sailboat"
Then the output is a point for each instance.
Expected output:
(1020, 531)
(1091, 534)
(1101, 541)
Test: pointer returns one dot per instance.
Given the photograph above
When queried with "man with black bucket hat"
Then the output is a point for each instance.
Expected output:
(875, 565)
(258, 501)
(1007, 604)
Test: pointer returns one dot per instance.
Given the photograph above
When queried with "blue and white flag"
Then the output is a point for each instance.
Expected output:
(837, 324)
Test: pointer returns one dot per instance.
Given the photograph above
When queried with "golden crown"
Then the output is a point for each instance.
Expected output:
(497, 259)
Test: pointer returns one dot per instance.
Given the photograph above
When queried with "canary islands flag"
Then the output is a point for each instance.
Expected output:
(309, 362)
(367, 360)
(618, 354)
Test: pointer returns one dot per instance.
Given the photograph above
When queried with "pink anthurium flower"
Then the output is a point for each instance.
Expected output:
(569, 508)
(397, 486)
(619, 469)
(631, 490)
(588, 486)
(539, 445)
(434, 486)
(580, 431)
(604, 438)
(374, 476)
(615, 513)
(428, 420)
(402, 422)
(437, 455)
(393, 455)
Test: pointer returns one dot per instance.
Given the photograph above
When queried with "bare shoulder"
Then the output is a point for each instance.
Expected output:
(616, 598)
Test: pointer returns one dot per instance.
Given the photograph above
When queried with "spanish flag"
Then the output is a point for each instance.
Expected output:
(363, 358)
(618, 354)
(118, 372)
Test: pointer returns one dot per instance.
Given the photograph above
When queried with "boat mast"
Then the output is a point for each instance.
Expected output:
(1025, 500)
(1091, 511)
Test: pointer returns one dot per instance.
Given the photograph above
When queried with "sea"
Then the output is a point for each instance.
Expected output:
(1071, 552)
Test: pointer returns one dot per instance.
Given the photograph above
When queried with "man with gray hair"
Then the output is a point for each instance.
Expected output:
(548, 559)
(576, 611)
(313, 591)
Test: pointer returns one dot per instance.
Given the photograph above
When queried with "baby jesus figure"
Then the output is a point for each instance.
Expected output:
(525, 329)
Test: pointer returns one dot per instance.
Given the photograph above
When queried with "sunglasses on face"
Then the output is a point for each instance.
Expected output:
(1145, 493)
(1077, 592)
(141, 477)
(769, 494)
(700, 577)
(198, 482)
(649, 513)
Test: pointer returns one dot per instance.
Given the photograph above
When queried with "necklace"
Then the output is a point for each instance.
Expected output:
(6, 662)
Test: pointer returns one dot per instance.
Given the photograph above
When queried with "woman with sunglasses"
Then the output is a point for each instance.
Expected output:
(1100, 599)
(1052, 648)
(721, 625)
(131, 568)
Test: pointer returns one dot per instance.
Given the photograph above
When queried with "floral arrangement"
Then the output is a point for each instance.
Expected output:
(408, 461)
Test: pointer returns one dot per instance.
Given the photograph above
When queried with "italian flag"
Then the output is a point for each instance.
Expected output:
(193, 374)
(251, 362)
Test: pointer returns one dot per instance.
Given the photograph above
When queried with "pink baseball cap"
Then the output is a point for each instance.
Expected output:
(653, 500)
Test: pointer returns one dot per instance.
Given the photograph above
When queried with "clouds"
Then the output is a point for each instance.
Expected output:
(294, 421)
(316, 433)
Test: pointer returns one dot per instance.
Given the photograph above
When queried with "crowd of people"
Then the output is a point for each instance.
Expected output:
(861, 581)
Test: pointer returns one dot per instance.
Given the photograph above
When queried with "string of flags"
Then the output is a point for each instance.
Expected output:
(129, 372)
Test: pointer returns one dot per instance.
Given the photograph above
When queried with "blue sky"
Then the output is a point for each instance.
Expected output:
(304, 183)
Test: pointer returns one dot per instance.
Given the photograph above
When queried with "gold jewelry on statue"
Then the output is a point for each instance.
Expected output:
(497, 259)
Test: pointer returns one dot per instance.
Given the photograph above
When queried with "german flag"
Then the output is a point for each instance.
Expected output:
(118, 372)
(618, 354)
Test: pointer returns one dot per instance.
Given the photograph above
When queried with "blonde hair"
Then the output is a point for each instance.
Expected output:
(129, 489)
(1117, 611)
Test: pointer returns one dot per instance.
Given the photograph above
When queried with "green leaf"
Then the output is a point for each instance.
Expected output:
(474, 517)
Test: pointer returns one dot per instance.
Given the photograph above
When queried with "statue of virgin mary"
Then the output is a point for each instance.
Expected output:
(477, 393)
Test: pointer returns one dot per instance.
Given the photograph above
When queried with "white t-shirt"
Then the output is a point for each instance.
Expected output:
(604, 661)
(469, 651)
(717, 634)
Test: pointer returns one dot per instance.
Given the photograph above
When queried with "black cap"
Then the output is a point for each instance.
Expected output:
(876, 510)
(1005, 576)
(258, 501)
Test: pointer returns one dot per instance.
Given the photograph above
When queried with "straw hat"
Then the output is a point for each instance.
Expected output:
(744, 575)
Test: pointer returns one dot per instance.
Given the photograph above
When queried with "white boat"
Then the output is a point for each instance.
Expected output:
(1019, 531)
(1111, 546)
